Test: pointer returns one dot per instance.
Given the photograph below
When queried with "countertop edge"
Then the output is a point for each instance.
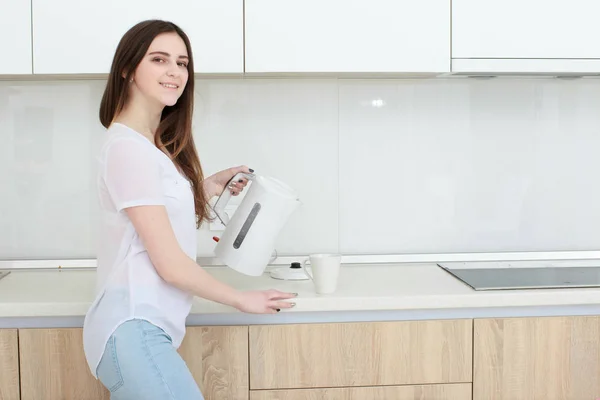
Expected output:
(329, 316)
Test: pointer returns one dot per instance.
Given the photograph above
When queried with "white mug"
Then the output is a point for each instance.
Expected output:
(325, 271)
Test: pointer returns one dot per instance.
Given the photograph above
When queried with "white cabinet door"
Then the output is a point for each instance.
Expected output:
(526, 29)
(15, 36)
(347, 36)
(77, 37)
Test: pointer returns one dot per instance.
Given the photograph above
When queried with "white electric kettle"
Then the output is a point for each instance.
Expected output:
(249, 238)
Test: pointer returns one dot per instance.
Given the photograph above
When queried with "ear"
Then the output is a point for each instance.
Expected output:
(124, 76)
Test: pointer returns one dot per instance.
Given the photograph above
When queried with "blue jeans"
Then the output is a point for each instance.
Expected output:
(140, 362)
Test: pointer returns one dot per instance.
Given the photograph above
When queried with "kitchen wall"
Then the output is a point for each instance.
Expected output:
(382, 166)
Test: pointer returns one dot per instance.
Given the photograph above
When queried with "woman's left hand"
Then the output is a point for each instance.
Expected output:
(215, 184)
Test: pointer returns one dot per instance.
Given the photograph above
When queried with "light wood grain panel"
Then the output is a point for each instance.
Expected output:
(217, 356)
(456, 391)
(53, 366)
(360, 354)
(9, 365)
(550, 358)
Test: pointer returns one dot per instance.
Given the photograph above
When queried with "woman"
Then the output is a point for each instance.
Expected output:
(153, 198)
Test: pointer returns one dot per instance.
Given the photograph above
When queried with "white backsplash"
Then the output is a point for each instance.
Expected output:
(424, 166)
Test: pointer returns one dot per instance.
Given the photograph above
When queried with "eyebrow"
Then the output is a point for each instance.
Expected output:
(167, 54)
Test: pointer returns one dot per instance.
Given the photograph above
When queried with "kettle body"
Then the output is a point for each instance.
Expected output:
(250, 233)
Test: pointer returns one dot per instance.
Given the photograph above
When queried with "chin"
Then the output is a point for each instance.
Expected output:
(169, 101)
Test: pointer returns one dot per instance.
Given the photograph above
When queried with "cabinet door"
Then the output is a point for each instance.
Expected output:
(537, 358)
(459, 391)
(347, 36)
(9, 365)
(79, 37)
(360, 354)
(540, 29)
(53, 366)
(15, 36)
(218, 359)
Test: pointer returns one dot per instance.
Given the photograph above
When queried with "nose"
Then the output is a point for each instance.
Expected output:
(173, 70)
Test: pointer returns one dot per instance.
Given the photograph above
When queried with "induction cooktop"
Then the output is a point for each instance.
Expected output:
(527, 277)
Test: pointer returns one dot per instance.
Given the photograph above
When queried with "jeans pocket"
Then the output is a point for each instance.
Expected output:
(109, 371)
(151, 331)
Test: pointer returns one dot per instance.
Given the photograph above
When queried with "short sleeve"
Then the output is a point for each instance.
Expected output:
(132, 174)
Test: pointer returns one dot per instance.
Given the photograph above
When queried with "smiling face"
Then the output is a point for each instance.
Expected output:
(162, 74)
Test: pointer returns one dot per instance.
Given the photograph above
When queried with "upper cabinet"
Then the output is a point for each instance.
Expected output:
(15, 36)
(278, 37)
(347, 36)
(80, 37)
(531, 35)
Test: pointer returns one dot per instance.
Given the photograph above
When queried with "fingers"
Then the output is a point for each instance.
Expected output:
(276, 306)
(241, 168)
(236, 187)
(277, 295)
(281, 304)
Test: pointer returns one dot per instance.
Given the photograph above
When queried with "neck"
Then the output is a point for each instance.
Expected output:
(143, 118)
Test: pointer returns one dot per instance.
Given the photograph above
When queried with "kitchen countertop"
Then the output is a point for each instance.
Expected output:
(60, 298)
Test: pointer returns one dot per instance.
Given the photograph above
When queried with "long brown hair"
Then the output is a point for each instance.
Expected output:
(174, 133)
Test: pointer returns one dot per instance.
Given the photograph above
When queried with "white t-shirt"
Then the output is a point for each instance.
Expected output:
(133, 172)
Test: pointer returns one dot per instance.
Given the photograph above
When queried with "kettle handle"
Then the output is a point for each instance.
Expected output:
(221, 203)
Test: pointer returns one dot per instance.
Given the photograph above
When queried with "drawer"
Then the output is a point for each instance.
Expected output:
(360, 354)
(453, 391)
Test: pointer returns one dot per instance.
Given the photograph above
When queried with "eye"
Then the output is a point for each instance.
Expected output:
(182, 64)
(158, 59)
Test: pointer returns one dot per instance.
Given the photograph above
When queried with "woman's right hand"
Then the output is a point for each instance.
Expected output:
(264, 301)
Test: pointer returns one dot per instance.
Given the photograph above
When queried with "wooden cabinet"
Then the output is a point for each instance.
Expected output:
(525, 29)
(360, 354)
(9, 365)
(347, 36)
(537, 358)
(218, 359)
(15, 37)
(53, 366)
(459, 391)
(547, 358)
(80, 37)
